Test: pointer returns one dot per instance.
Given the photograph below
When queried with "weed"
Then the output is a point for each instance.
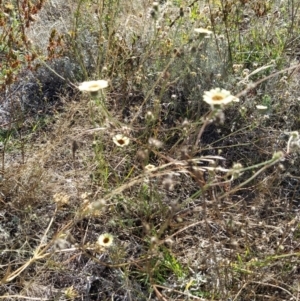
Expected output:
(165, 167)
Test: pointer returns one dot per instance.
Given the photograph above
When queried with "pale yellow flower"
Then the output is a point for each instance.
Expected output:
(218, 97)
(121, 140)
(105, 240)
(149, 167)
(260, 107)
(93, 86)
(203, 31)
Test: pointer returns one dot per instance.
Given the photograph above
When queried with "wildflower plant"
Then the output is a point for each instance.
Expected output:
(16, 49)
(216, 208)
(94, 88)
(293, 142)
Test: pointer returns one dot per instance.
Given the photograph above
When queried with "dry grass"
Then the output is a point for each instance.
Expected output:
(194, 225)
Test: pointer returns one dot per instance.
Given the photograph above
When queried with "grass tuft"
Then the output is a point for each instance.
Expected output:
(149, 150)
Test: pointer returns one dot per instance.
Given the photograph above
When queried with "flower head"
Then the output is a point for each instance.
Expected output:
(236, 170)
(260, 107)
(105, 240)
(93, 86)
(61, 199)
(155, 143)
(155, 4)
(149, 167)
(121, 140)
(149, 116)
(203, 31)
(218, 97)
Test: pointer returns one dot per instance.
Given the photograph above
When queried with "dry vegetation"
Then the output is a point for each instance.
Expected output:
(142, 191)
